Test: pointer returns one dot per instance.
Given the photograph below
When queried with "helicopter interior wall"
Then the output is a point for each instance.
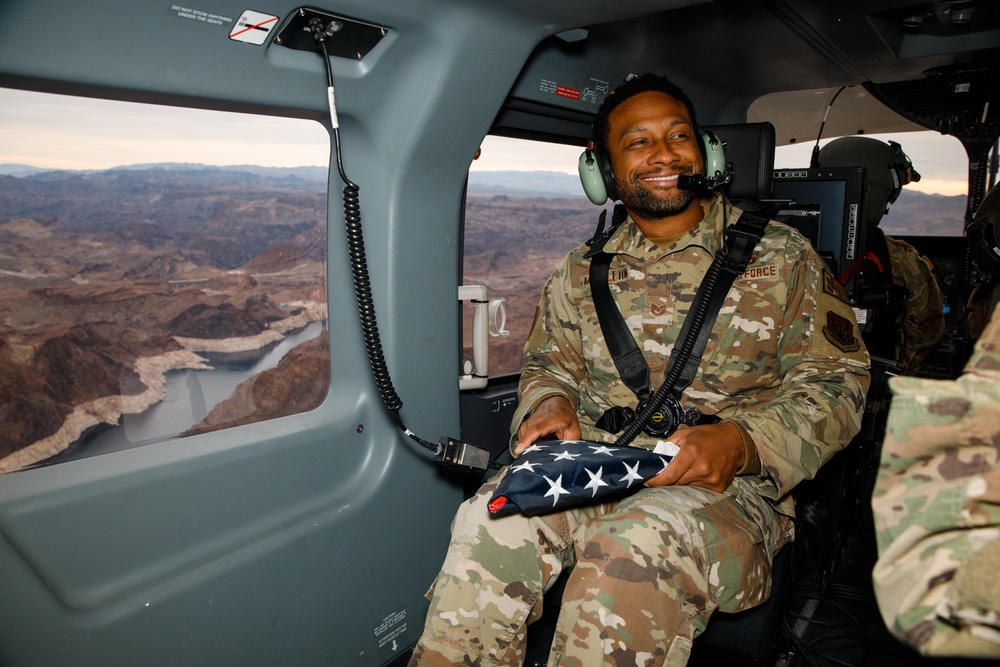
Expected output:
(253, 545)
(294, 540)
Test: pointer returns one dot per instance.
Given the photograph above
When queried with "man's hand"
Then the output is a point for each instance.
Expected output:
(553, 416)
(709, 457)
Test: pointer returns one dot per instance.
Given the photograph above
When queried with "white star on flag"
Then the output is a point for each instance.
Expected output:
(564, 456)
(525, 465)
(662, 460)
(595, 480)
(555, 490)
(533, 448)
(631, 475)
(603, 449)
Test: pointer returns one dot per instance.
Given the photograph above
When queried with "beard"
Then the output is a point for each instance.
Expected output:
(649, 204)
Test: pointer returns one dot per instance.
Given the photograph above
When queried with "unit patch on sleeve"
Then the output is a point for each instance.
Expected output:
(840, 332)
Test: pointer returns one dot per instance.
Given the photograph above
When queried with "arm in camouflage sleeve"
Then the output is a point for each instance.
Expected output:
(937, 509)
(923, 325)
(818, 406)
(555, 364)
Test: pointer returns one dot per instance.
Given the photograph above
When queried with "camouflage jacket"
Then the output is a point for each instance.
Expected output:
(784, 359)
(937, 509)
(923, 325)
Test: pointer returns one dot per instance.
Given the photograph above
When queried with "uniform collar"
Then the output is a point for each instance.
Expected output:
(707, 234)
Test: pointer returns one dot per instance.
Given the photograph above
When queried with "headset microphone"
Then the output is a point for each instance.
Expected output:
(698, 182)
(704, 184)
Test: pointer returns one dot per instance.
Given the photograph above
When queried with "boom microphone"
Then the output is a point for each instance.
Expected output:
(703, 184)
(697, 182)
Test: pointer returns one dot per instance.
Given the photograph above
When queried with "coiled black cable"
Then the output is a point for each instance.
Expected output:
(359, 263)
(363, 294)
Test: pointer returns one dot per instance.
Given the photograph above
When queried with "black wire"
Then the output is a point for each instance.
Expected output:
(359, 265)
(814, 162)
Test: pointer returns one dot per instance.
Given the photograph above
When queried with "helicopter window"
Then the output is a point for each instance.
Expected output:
(933, 206)
(525, 209)
(149, 287)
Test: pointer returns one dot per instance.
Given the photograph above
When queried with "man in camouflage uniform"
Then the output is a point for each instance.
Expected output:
(923, 321)
(889, 169)
(784, 369)
(937, 509)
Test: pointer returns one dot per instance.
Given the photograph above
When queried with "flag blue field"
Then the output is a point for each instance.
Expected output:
(556, 474)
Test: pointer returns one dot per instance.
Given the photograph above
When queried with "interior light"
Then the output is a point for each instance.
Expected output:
(961, 13)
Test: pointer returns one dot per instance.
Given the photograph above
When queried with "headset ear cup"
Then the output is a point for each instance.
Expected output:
(604, 162)
(714, 153)
(592, 177)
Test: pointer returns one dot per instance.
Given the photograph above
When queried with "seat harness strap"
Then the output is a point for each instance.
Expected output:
(682, 367)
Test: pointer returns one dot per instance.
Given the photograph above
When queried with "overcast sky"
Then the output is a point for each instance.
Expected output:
(63, 132)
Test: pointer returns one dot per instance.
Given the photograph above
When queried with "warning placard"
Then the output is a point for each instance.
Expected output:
(390, 634)
(253, 27)
(199, 15)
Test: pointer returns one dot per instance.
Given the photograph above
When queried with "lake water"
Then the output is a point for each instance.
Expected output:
(191, 395)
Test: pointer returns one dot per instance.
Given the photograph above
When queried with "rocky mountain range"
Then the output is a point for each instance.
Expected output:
(105, 276)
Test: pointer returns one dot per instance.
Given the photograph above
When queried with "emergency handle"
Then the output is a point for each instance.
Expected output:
(477, 373)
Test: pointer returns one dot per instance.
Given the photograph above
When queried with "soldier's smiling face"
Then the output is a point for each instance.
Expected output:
(651, 142)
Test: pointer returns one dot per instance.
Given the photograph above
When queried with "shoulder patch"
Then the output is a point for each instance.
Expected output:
(840, 331)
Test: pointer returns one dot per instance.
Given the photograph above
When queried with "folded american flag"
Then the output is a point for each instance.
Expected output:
(556, 474)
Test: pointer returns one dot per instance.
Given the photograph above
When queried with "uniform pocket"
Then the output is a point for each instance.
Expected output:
(738, 562)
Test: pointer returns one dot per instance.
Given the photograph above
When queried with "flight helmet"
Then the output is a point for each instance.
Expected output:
(889, 169)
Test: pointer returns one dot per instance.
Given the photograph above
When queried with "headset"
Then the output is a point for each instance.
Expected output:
(599, 182)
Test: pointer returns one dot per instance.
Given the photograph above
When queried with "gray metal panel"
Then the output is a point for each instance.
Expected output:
(289, 541)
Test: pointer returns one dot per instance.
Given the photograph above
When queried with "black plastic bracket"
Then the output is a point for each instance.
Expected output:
(348, 38)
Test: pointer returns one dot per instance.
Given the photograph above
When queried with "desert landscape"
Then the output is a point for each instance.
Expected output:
(110, 280)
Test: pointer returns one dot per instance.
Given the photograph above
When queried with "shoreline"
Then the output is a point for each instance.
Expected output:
(152, 373)
(107, 410)
(311, 311)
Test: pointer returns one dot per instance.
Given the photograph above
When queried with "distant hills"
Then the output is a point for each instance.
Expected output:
(919, 214)
(914, 213)
(212, 215)
(19, 170)
(525, 182)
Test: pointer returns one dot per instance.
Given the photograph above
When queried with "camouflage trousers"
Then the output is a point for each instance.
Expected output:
(647, 572)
